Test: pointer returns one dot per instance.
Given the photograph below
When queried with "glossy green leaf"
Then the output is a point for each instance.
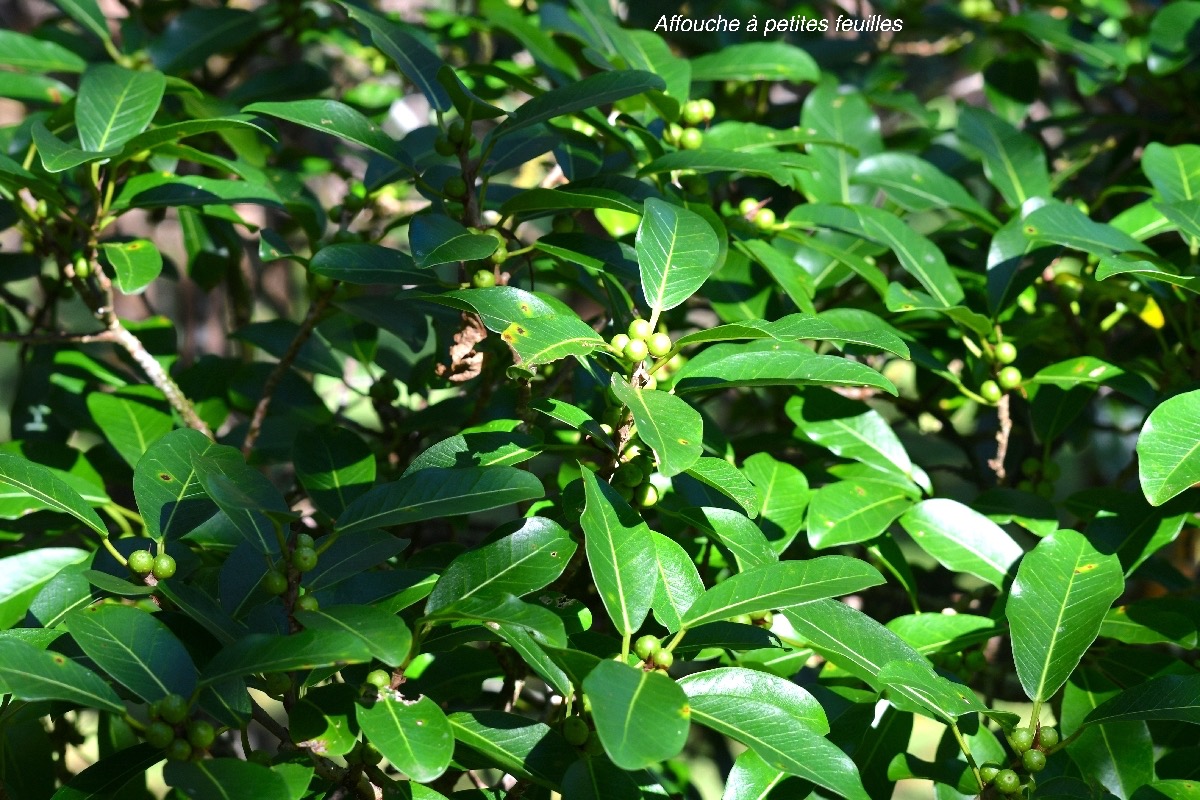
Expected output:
(943, 697)
(784, 496)
(1120, 755)
(736, 533)
(590, 92)
(597, 778)
(1175, 697)
(131, 420)
(776, 719)
(214, 779)
(542, 340)
(1063, 572)
(853, 430)
(37, 55)
(772, 363)
(575, 417)
(324, 720)
(676, 250)
(668, 425)
(193, 36)
(47, 488)
(249, 500)
(164, 190)
(1169, 448)
(494, 610)
(842, 116)
(417, 61)
(335, 467)
(494, 444)
(781, 585)
(115, 104)
(137, 650)
(853, 511)
(1066, 225)
(524, 561)
(578, 195)
(794, 327)
(641, 717)
(466, 102)
(435, 492)
(1144, 267)
(266, 653)
(436, 240)
(88, 14)
(1174, 171)
(136, 263)
(385, 635)
(756, 61)
(962, 540)
(174, 132)
(916, 185)
(499, 306)
(362, 263)
(776, 167)
(33, 674)
(23, 575)
(849, 638)
(1013, 161)
(752, 778)
(516, 744)
(58, 156)
(332, 117)
(678, 584)
(1171, 35)
(414, 735)
(727, 479)
(168, 491)
(106, 777)
(932, 632)
(620, 554)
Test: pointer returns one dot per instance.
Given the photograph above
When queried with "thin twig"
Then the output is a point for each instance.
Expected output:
(53, 337)
(1002, 433)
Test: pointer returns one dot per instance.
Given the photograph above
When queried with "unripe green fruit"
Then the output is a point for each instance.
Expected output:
(707, 108)
(1009, 378)
(498, 256)
(672, 133)
(659, 344)
(369, 754)
(618, 342)
(164, 567)
(695, 184)
(988, 773)
(1031, 465)
(304, 540)
(179, 750)
(636, 350)
(274, 582)
(1047, 738)
(742, 619)
(457, 132)
(640, 329)
(575, 730)
(625, 493)
(383, 391)
(1033, 760)
(1007, 782)
(630, 475)
(443, 146)
(483, 279)
(990, 391)
(1051, 471)
(455, 186)
(691, 139)
(160, 734)
(83, 268)
(141, 561)
(663, 659)
(693, 112)
(563, 223)
(173, 709)
(304, 559)
(646, 646)
(765, 219)
(307, 602)
(1006, 352)
(200, 734)
(278, 683)
(1022, 739)
(379, 678)
(646, 495)
(762, 618)
(747, 206)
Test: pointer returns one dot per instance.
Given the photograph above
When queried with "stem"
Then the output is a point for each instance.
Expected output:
(625, 640)
(675, 641)
(111, 548)
(966, 748)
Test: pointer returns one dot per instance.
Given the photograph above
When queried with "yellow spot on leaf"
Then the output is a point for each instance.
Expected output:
(1085, 568)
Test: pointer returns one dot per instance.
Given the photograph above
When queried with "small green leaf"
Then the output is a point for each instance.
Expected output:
(106, 777)
(37, 55)
(132, 419)
(641, 717)
(418, 62)
(853, 511)
(678, 584)
(620, 553)
(384, 634)
(756, 61)
(590, 92)
(772, 363)
(332, 117)
(1143, 266)
(792, 328)
(335, 467)
(136, 263)
(917, 185)
(414, 735)
(516, 744)
(542, 340)
(1174, 171)
(211, 779)
(1169, 448)
(1013, 161)
(727, 479)
(265, 653)
(88, 14)
(1175, 697)
(115, 104)
(33, 674)
(167, 487)
(137, 650)
(945, 699)
(962, 540)
(437, 240)
(784, 496)
(668, 425)
(736, 533)
(494, 610)
(362, 263)
(47, 488)
(676, 252)
(22, 576)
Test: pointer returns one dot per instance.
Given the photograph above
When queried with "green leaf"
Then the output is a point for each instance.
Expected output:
(620, 554)
(437, 240)
(467, 103)
(419, 64)
(167, 487)
(47, 488)
(678, 584)
(1175, 697)
(1119, 754)
(524, 561)
(781, 585)
(778, 720)
(792, 328)
(172, 133)
(137, 650)
(22, 576)
(784, 496)
(772, 363)
(136, 263)
(727, 479)
(517, 745)
(962, 540)
(247, 497)
(735, 532)
(853, 430)
(1012, 161)
(191, 37)
(435, 492)
(1142, 267)
(131, 419)
(542, 340)
(844, 118)
(778, 167)
(106, 777)
(1170, 39)
(932, 632)
(752, 778)
(335, 467)
(33, 674)
(668, 425)
(1168, 448)
(920, 257)
(590, 92)
(58, 156)
(1174, 171)
(676, 251)
(849, 638)
(1065, 224)
(115, 104)
(494, 444)
(597, 778)
(575, 417)
(756, 61)
(414, 735)
(88, 14)
(332, 117)
(361, 263)
(215, 779)
(498, 610)
(384, 634)
(946, 699)
(1063, 572)
(265, 653)
(641, 717)
(916, 185)
(853, 511)
(37, 55)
